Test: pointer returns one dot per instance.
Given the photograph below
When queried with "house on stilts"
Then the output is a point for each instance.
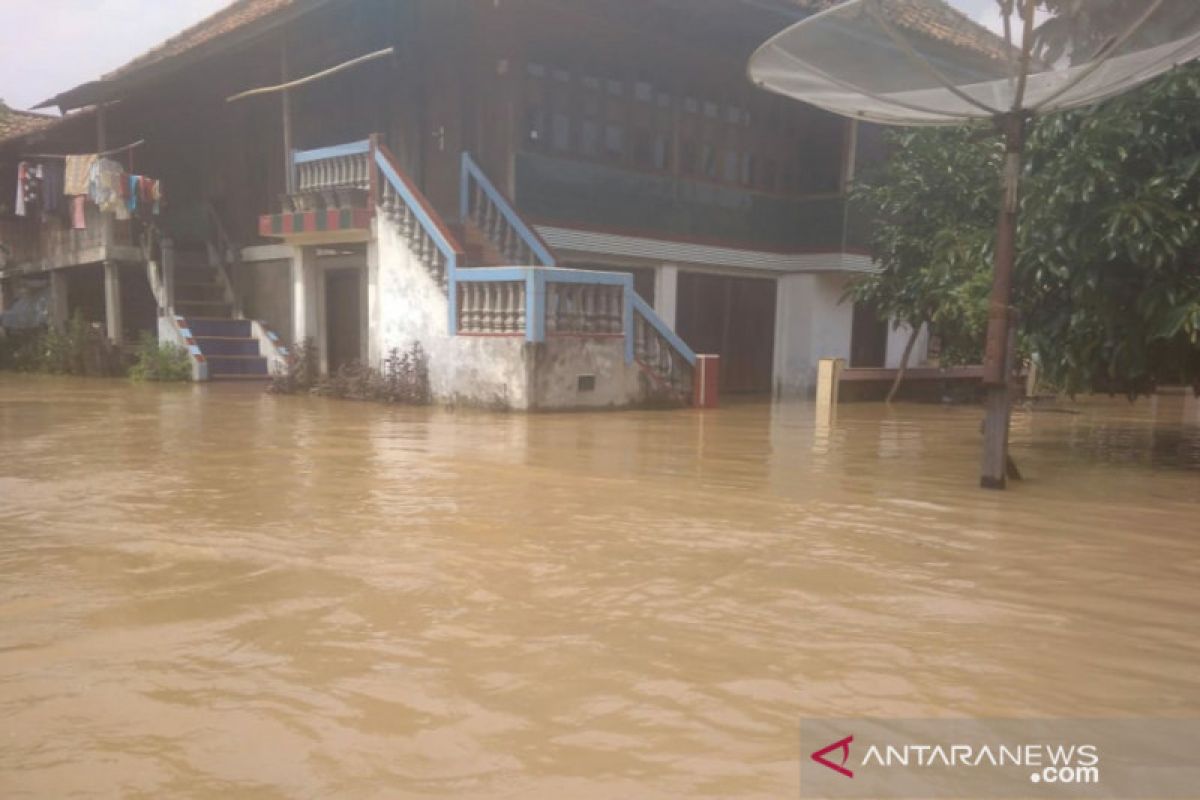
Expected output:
(563, 201)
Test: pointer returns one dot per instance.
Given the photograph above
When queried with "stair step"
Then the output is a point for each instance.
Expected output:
(227, 346)
(226, 366)
(199, 293)
(212, 326)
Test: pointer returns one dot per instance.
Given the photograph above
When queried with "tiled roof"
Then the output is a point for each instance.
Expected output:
(935, 19)
(15, 123)
(229, 19)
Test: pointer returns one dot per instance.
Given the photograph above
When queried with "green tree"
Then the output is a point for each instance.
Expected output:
(1108, 282)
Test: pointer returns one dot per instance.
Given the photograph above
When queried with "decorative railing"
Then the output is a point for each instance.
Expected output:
(330, 177)
(659, 351)
(483, 204)
(535, 302)
(494, 308)
(224, 253)
(584, 308)
(403, 205)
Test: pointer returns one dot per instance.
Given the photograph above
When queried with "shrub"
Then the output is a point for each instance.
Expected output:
(302, 372)
(80, 348)
(160, 362)
(404, 378)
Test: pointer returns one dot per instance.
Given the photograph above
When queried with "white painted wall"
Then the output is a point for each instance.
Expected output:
(898, 340)
(409, 307)
(811, 323)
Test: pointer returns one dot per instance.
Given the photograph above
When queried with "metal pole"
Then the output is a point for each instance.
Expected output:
(996, 355)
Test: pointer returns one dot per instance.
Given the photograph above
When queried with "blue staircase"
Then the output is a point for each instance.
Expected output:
(227, 343)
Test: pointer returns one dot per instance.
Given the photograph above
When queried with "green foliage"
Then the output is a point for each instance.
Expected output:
(931, 206)
(160, 362)
(1107, 284)
(79, 348)
(302, 373)
(404, 378)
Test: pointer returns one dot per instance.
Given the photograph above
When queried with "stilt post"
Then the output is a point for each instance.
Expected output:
(996, 360)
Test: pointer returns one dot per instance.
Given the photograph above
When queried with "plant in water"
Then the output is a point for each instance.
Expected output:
(302, 372)
(160, 362)
(404, 378)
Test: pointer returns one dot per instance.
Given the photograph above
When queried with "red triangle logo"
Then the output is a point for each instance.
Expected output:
(844, 746)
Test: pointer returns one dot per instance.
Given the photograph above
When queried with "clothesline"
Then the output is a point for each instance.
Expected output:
(114, 151)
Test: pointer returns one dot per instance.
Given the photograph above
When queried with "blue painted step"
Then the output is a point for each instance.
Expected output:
(230, 328)
(237, 367)
(226, 346)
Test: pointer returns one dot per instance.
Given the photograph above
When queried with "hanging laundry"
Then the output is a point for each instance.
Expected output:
(78, 170)
(79, 212)
(131, 193)
(107, 187)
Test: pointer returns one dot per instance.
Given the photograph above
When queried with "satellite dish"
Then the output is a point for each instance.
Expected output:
(945, 62)
(922, 62)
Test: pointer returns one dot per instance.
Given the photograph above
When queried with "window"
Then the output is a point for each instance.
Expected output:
(711, 109)
(732, 165)
(589, 138)
(643, 147)
(691, 105)
(614, 140)
(535, 125)
(614, 87)
(561, 131)
(535, 70)
(747, 169)
(664, 100)
(591, 82)
(643, 92)
(662, 151)
(708, 161)
(690, 158)
(561, 75)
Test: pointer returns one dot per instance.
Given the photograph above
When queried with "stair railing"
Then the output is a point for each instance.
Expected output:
(483, 204)
(427, 235)
(223, 253)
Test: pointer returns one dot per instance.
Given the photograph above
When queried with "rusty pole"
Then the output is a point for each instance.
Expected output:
(996, 356)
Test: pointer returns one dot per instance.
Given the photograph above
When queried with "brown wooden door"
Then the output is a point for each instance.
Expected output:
(735, 319)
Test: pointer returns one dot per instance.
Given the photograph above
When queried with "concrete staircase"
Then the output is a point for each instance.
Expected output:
(227, 343)
(480, 250)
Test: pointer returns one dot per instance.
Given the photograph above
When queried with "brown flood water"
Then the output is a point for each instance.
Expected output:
(209, 592)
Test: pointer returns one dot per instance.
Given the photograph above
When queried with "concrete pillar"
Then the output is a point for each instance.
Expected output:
(304, 294)
(112, 301)
(666, 293)
(374, 329)
(59, 309)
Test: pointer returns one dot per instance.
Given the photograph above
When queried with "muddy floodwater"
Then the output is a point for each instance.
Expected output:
(210, 592)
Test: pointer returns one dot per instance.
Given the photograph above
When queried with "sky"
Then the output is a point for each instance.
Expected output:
(48, 46)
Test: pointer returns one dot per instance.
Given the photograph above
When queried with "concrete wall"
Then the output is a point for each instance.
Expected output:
(266, 292)
(561, 361)
(898, 340)
(406, 305)
(811, 323)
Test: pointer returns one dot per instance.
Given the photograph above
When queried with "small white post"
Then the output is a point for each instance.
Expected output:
(829, 375)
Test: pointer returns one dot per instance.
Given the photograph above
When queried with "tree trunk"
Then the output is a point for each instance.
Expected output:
(908, 348)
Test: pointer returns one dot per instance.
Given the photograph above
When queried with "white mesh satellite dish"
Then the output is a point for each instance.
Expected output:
(944, 62)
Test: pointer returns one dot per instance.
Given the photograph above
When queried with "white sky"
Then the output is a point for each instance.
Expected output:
(48, 46)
